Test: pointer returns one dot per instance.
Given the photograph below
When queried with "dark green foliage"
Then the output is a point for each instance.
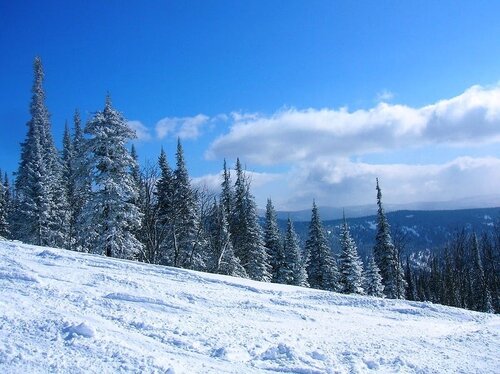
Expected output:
(292, 271)
(273, 241)
(386, 256)
(321, 266)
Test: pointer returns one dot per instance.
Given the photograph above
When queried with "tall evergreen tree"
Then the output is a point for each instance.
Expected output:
(272, 241)
(321, 266)
(223, 259)
(41, 208)
(373, 279)
(351, 266)
(248, 240)
(385, 255)
(165, 196)
(135, 171)
(188, 244)
(292, 271)
(227, 193)
(80, 187)
(4, 225)
(68, 160)
(110, 211)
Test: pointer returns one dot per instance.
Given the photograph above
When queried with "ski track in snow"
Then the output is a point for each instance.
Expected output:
(68, 312)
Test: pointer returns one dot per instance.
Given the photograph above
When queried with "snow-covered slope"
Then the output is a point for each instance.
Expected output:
(62, 311)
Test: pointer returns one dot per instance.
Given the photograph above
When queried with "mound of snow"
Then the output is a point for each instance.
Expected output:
(64, 311)
(82, 329)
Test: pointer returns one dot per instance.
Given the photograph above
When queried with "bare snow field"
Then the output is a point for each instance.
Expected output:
(68, 312)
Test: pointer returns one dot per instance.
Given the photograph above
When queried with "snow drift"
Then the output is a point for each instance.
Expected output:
(62, 311)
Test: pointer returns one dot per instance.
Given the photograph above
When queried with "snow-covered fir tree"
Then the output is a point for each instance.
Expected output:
(41, 211)
(292, 271)
(135, 172)
(4, 224)
(227, 193)
(223, 260)
(166, 218)
(110, 211)
(80, 188)
(248, 239)
(68, 160)
(273, 241)
(373, 280)
(386, 257)
(350, 265)
(322, 271)
(188, 244)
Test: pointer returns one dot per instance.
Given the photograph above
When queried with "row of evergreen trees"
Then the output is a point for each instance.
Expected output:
(93, 197)
(465, 275)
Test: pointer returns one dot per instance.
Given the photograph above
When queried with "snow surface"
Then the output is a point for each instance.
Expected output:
(62, 311)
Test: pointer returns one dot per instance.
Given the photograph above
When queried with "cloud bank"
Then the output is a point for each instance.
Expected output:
(293, 135)
(319, 148)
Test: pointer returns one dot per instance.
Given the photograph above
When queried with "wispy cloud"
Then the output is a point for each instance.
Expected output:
(141, 131)
(294, 135)
(182, 127)
(385, 96)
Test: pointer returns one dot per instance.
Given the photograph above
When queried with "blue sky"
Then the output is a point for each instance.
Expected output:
(316, 97)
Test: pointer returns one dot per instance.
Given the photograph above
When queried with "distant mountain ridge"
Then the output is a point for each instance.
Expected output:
(423, 229)
(332, 213)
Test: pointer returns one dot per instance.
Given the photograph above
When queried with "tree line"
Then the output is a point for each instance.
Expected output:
(93, 197)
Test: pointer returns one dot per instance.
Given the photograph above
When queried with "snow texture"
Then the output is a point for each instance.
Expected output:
(71, 312)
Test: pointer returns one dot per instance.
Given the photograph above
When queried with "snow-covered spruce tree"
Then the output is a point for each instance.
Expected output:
(4, 225)
(81, 187)
(322, 271)
(166, 218)
(223, 259)
(373, 280)
(386, 257)
(292, 271)
(227, 193)
(273, 241)
(68, 161)
(135, 172)
(248, 240)
(188, 245)
(110, 211)
(41, 212)
(350, 265)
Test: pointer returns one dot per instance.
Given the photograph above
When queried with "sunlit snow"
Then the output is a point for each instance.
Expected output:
(62, 311)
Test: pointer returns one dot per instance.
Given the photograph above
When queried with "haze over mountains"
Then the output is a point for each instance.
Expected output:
(332, 213)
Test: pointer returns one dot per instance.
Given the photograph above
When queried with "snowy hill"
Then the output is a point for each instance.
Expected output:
(62, 311)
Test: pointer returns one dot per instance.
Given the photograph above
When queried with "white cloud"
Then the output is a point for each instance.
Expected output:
(293, 135)
(182, 127)
(340, 182)
(141, 131)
